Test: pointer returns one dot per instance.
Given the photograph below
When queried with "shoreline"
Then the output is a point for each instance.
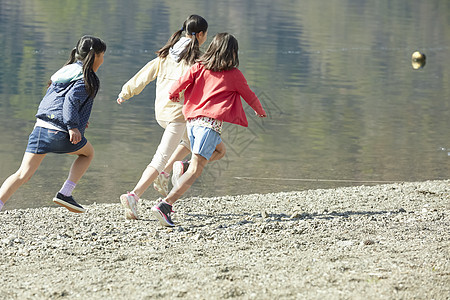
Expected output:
(377, 242)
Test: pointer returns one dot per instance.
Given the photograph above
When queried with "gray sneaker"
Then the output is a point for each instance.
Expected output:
(162, 211)
(69, 203)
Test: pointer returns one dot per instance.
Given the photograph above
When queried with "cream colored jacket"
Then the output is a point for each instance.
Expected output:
(166, 71)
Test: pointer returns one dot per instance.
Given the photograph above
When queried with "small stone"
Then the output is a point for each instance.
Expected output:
(345, 243)
(295, 215)
(197, 237)
(23, 252)
(368, 242)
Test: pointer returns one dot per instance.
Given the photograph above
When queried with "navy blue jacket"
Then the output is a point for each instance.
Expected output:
(67, 104)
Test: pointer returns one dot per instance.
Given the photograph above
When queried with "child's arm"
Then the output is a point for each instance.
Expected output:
(138, 82)
(248, 95)
(182, 83)
(74, 99)
(261, 116)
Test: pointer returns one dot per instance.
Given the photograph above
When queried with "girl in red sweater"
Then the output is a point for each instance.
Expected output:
(213, 90)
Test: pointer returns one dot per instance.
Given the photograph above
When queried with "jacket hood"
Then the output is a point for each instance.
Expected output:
(178, 48)
(68, 73)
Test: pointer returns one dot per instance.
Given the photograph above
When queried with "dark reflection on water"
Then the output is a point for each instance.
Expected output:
(345, 105)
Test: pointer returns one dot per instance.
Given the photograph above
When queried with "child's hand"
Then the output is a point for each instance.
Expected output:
(75, 136)
(120, 100)
(264, 115)
(174, 98)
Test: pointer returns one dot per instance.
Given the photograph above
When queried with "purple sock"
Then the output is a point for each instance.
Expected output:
(67, 188)
(1, 205)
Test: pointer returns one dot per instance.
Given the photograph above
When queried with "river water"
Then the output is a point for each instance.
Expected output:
(345, 105)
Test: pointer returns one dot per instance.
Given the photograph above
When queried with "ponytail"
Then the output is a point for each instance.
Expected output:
(164, 51)
(192, 51)
(91, 80)
(85, 52)
(193, 25)
(71, 57)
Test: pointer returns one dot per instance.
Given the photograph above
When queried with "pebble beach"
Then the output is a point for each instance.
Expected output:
(389, 241)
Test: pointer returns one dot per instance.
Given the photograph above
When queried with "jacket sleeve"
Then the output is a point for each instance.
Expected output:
(138, 82)
(74, 100)
(184, 81)
(247, 94)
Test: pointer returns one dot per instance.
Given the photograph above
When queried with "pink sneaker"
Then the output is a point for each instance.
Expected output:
(129, 202)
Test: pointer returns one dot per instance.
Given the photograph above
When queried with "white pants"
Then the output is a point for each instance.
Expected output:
(174, 134)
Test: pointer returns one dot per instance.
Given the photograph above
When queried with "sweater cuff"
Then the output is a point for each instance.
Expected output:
(122, 95)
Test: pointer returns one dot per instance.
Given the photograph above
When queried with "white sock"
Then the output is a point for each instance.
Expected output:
(67, 188)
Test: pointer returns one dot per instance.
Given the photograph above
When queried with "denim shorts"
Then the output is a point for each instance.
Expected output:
(203, 140)
(43, 140)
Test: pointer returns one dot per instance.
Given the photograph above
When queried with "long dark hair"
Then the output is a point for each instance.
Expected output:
(193, 25)
(85, 51)
(222, 53)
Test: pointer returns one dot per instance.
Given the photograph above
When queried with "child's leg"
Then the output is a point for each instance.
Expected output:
(79, 167)
(147, 177)
(81, 163)
(161, 183)
(219, 153)
(204, 142)
(180, 153)
(194, 171)
(28, 167)
(169, 142)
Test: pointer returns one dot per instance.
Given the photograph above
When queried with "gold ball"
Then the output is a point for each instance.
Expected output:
(418, 60)
(417, 56)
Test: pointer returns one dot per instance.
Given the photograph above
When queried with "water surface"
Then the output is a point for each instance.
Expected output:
(345, 105)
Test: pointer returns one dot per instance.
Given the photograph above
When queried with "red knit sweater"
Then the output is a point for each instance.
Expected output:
(215, 94)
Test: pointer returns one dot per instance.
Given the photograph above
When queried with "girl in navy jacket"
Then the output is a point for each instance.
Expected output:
(62, 118)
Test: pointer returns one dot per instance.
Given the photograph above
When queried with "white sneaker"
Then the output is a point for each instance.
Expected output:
(179, 168)
(129, 202)
(161, 184)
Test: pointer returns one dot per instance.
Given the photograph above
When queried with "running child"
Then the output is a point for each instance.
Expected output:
(213, 90)
(173, 60)
(62, 118)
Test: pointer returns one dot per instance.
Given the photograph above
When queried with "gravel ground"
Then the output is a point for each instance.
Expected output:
(369, 242)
